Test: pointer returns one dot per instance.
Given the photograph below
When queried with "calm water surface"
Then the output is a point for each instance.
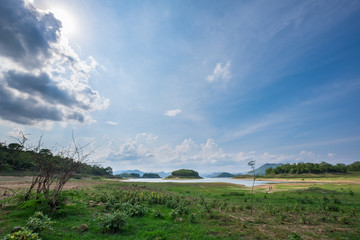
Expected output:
(247, 183)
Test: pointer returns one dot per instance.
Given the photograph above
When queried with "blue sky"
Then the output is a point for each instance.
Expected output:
(163, 85)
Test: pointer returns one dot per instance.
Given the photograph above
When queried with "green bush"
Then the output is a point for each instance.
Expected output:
(39, 222)
(158, 214)
(23, 234)
(112, 222)
(295, 236)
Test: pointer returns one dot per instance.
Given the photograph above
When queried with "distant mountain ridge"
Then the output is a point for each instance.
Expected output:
(141, 173)
(225, 175)
(261, 170)
(162, 174)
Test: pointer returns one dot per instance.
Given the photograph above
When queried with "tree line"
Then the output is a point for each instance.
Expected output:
(313, 168)
(15, 158)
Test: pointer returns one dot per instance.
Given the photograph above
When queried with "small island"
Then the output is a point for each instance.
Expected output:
(151, 175)
(184, 174)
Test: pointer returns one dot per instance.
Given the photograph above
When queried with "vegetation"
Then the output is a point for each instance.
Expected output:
(313, 168)
(129, 175)
(137, 175)
(122, 210)
(184, 173)
(151, 175)
(261, 170)
(16, 160)
(50, 171)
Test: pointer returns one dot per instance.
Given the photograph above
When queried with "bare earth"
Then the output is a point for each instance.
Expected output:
(11, 184)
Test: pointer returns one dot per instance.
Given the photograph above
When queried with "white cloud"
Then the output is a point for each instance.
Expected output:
(331, 154)
(172, 113)
(112, 123)
(146, 153)
(42, 79)
(220, 72)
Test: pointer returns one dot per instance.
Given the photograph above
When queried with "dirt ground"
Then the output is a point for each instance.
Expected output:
(13, 184)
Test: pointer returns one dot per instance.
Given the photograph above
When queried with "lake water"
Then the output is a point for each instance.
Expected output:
(245, 182)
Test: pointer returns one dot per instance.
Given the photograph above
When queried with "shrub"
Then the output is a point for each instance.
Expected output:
(192, 217)
(112, 222)
(173, 214)
(135, 210)
(158, 214)
(23, 234)
(39, 222)
(295, 236)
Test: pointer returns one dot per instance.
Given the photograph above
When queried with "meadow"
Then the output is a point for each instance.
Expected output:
(112, 209)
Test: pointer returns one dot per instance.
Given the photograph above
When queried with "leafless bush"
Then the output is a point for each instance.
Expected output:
(54, 171)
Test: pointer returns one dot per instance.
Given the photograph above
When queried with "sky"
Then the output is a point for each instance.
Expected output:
(204, 85)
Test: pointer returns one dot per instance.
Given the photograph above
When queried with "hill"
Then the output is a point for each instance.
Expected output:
(151, 175)
(224, 175)
(184, 174)
(141, 173)
(261, 170)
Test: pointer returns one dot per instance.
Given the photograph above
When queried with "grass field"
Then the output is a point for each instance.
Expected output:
(177, 211)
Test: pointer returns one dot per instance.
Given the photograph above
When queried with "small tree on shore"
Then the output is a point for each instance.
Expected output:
(55, 171)
(252, 165)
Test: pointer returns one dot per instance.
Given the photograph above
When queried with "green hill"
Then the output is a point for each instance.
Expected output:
(261, 170)
(185, 174)
(225, 175)
(151, 175)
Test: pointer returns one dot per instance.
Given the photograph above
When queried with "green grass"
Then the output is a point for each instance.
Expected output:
(313, 211)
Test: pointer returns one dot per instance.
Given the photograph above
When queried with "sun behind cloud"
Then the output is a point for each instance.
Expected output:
(68, 21)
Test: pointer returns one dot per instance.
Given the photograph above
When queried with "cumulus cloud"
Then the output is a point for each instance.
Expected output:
(331, 154)
(41, 78)
(220, 72)
(139, 148)
(145, 152)
(172, 113)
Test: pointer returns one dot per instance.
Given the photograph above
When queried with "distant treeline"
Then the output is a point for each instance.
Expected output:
(137, 175)
(13, 158)
(313, 168)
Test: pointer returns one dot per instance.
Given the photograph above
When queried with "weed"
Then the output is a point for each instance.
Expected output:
(112, 223)
(295, 236)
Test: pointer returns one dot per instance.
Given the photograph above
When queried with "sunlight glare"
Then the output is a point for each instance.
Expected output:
(67, 21)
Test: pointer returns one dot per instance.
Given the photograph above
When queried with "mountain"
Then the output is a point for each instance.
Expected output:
(161, 174)
(261, 170)
(211, 175)
(225, 175)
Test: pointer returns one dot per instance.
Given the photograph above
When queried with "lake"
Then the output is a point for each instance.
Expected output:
(245, 182)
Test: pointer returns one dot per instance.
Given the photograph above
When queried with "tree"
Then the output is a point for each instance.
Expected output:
(14, 150)
(109, 171)
(54, 171)
(251, 164)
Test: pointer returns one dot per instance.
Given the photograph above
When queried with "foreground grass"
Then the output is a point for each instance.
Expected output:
(176, 211)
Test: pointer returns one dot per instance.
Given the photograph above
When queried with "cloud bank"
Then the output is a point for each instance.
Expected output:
(144, 152)
(41, 78)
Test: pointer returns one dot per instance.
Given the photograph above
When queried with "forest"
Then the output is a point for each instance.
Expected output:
(313, 168)
(15, 159)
